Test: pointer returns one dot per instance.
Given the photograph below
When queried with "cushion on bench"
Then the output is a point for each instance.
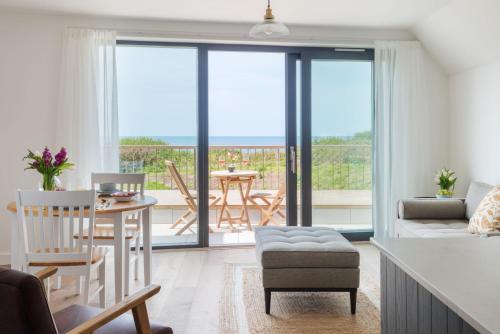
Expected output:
(431, 209)
(433, 228)
(475, 194)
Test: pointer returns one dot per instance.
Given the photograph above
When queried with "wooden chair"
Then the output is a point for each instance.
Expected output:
(270, 205)
(191, 215)
(24, 310)
(48, 221)
(104, 233)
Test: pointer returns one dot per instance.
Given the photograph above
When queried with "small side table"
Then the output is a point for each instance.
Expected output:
(244, 180)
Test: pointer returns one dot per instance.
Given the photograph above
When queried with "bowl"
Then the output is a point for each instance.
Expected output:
(107, 188)
(124, 196)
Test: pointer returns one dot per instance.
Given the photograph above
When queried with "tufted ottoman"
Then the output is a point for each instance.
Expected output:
(306, 259)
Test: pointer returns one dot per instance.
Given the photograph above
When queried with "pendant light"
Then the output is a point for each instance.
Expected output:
(269, 28)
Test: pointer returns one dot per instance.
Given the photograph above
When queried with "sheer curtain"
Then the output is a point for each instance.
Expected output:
(88, 108)
(404, 159)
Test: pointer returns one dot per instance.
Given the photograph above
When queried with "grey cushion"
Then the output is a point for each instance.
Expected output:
(433, 228)
(431, 209)
(304, 247)
(476, 192)
(311, 278)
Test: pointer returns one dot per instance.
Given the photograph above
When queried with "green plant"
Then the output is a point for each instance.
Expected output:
(446, 180)
(141, 141)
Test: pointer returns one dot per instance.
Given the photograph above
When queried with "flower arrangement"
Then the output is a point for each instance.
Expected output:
(233, 158)
(446, 180)
(50, 167)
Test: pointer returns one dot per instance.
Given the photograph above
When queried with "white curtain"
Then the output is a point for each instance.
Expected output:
(88, 108)
(404, 157)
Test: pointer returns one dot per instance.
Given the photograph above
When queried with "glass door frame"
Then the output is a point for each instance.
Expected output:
(306, 125)
(292, 55)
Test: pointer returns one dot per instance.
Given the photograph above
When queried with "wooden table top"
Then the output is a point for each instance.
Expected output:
(235, 174)
(137, 204)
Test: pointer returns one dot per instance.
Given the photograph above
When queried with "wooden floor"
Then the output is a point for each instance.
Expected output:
(192, 281)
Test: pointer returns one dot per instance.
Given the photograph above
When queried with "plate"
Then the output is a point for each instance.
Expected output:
(126, 196)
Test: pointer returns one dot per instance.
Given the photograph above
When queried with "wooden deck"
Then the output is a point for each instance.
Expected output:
(338, 199)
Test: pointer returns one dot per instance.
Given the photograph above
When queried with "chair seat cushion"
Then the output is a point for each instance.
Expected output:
(435, 228)
(304, 247)
(75, 315)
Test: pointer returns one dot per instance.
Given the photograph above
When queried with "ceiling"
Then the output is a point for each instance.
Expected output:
(359, 13)
(460, 34)
(463, 35)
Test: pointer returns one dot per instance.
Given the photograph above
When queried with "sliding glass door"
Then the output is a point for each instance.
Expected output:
(337, 113)
(158, 118)
(296, 123)
(246, 107)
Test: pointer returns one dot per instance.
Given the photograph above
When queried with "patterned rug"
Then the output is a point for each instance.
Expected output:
(242, 308)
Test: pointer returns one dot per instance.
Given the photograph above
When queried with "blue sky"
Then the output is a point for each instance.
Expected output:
(157, 93)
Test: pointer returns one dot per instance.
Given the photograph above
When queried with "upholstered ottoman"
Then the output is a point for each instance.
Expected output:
(306, 259)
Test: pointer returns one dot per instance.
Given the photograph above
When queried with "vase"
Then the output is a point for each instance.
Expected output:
(49, 183)
(231, 168)
(440, 196)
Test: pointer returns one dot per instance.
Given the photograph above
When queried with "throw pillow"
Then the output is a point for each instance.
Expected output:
(487, 215)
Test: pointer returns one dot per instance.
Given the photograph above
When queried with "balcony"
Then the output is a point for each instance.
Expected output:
(341, 181)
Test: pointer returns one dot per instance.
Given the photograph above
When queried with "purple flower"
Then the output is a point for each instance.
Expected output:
(47, 157)
(60, 157)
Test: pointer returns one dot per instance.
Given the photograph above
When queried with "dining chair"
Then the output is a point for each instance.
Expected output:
(104, 231)
(24, 310)
(191, 215)
(48, 221)
(271, 205)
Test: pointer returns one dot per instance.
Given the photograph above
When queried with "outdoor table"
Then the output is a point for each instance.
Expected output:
(243, 179)
(117, 212)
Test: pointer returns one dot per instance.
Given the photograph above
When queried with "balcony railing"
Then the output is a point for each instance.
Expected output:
(333, 166)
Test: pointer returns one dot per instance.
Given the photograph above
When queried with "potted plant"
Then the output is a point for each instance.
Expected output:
(232, 157)
(48, 166)
(446, 180)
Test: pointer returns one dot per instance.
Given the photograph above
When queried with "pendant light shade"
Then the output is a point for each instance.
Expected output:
(269, 28)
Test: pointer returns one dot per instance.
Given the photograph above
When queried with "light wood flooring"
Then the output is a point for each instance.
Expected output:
(191, 284)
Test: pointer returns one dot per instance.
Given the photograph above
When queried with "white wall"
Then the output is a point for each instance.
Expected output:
(434, 149)
(475, 125)
(30, 46)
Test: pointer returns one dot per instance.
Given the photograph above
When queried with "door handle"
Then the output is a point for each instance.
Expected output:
(293, 160)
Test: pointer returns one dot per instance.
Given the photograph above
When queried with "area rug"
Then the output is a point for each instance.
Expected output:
(242, 308)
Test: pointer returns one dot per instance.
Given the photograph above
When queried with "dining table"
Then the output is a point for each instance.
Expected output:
(243, 180)
(117, 213)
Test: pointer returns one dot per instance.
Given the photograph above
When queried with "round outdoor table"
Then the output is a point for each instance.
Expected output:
(117, 212)
(243, 179)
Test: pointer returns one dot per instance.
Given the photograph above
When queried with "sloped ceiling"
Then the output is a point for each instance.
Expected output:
(347, 13)
(463, 34)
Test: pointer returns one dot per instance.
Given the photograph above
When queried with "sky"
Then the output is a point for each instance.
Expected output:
(157, 93)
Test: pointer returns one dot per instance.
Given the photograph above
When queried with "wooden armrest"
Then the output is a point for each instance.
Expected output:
(46, 273)
(136, 303)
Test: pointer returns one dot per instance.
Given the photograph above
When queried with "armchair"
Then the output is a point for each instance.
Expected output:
(24, 309)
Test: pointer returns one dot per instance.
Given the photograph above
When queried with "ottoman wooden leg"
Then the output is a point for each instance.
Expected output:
(267, 293)
(353, 293)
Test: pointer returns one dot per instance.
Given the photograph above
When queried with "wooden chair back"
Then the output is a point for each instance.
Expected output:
(123, 181)
(50, 219)
(181, 185)
(280, 196)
